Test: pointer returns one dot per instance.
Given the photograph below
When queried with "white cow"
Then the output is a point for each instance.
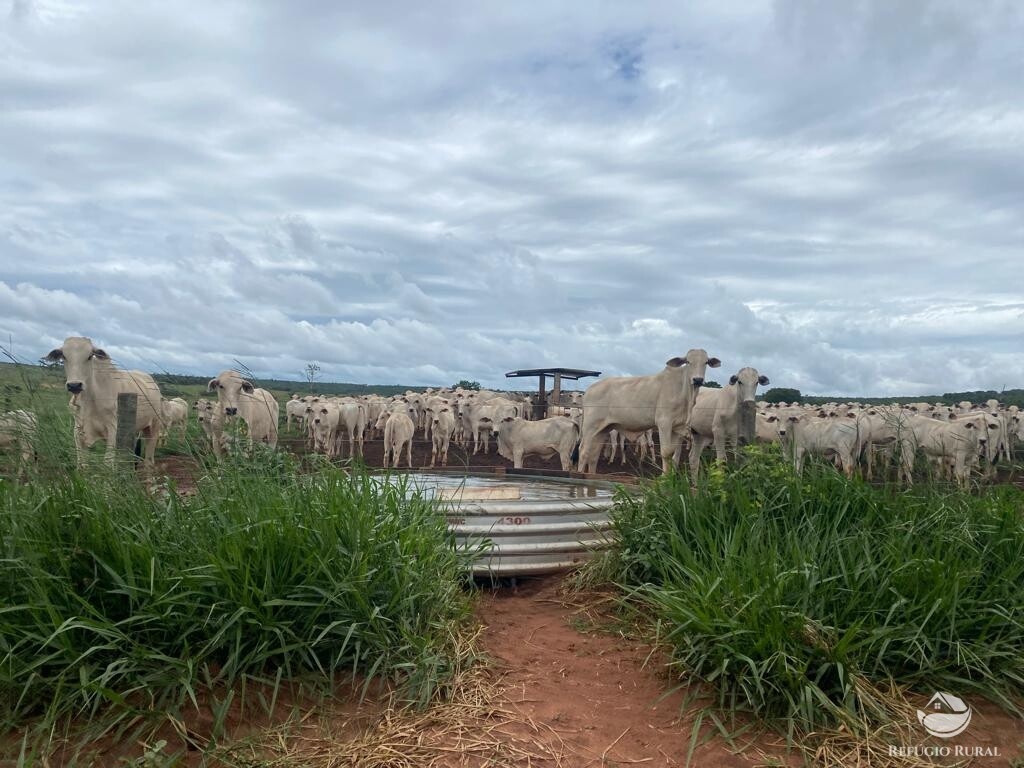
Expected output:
(294, 411)
(637, 403)
(398, 429)
(211, 419)
(174, 414)
(326, 428)
(95, 383)
(823, 436)
(952, 443)
(715, 417)
(352, 419)
(18, 430)
(256, 407)
(441, 429)
(555, 436)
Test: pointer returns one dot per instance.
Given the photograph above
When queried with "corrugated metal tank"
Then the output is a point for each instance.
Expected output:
(553, 525)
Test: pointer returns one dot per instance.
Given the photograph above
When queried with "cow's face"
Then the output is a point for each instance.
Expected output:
(382, 419)
(746, 382)
(230, 387)
(697, 362)
(78, 355)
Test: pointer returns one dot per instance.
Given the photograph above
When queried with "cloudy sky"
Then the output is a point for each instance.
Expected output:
(423, 192)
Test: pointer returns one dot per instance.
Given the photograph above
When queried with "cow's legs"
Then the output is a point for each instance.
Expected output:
(697, 445)
(150, 435)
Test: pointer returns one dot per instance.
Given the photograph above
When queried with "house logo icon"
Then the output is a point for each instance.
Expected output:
(945, 716)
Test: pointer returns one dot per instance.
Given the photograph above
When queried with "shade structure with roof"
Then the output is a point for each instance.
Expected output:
(557, 374)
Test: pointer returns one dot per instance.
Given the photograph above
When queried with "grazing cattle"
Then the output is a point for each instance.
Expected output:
(441, 429)
(518, 438)
(954, 444)
(238, 398)
(94, 384)
(822, 436)
(715, 417)
(18, 431)
(174, 414)
(399, 429)
(638, 403)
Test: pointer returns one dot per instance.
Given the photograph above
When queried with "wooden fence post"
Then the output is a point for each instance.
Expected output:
(127, 409)
(748, 423)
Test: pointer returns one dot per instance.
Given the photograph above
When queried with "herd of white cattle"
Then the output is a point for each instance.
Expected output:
(613, 415)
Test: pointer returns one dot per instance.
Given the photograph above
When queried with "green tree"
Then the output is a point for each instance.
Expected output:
(711, 385)
(782, 395)
(466, 384)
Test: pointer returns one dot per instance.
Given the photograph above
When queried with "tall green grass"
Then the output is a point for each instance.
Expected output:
(119, 599)
(800, 598)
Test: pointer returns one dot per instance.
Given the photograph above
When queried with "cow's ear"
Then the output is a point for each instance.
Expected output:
(714, 362)
(763, 380)
(248, 388)
(733, 379)
(212, 385)
(676, 362)
(55, 355)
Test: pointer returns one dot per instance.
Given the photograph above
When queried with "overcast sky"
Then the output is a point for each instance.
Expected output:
(832, 192)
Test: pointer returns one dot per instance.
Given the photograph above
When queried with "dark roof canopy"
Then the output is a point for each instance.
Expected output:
(565, 373)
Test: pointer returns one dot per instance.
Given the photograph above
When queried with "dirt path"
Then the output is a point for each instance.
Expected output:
(591, 697)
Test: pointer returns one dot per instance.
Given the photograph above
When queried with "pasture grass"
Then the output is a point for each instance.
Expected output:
(805, 599)
(123, 600)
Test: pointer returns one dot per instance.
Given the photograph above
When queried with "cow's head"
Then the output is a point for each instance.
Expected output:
(697, 362)
(746, 382)
(78, 354)
(230, 386)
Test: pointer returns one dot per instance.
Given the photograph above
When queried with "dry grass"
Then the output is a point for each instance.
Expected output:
(469, 727)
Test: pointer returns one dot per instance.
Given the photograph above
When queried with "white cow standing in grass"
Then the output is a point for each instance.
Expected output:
(94, 383)
(715, 417)
(256, 407)
(637, 403)
(174, 415)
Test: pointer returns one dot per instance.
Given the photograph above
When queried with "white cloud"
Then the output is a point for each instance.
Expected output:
(828, 192)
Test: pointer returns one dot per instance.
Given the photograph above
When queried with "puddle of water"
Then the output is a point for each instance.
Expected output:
(530, 488)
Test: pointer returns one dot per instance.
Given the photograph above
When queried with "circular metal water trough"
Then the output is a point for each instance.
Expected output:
(523, 525)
